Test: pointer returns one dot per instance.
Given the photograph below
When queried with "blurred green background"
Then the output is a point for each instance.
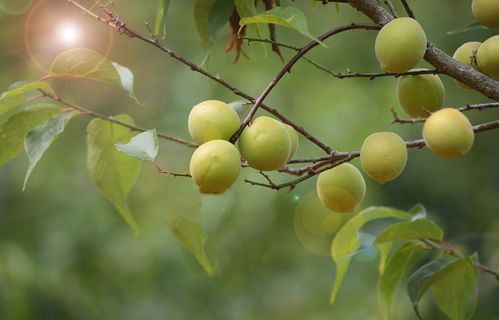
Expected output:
(66, 254)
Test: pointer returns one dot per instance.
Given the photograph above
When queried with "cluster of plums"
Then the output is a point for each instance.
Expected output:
(268, 144)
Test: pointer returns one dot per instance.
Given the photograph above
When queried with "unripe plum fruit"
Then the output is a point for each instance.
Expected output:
(293, 136)
(400, 45)
(383, 156)
(215, 166)
(465, 54)
(448, 133)
(486, 12)
(421, 94)
(341, 188)
(265, 144)
(487, 55)
(211, 120)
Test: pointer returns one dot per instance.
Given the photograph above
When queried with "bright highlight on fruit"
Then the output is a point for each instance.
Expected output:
(448, 133)
(341, 188)
(486, 12)
(420, 95)
(487, 56)
(466, 55)
(215, 166)
(400, 45)
(212, 120)
(265, 144)
(383, 156)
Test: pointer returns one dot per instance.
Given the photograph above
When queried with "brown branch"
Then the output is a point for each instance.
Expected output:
(289, 65)
(113, 120)
(170, 173)
(436, 57)
(468, 107)
(120, 26)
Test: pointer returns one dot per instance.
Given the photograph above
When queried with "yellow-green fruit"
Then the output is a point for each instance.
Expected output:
(448, 133)
(465, 54)
(487, 12)
(420, 94)
(383, 156)
(215, 166)
(265, 144)
(293, 136)
(400, 45)
(341, 188)
(211, 120)
(487, 56)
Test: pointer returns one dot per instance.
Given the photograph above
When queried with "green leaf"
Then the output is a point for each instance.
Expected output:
(418, 211)
(466, 28)
(288, 17)
(16, 95)
(144, 146)
(112, 171)
(15, 129)
(411, 230)
(347, 241)
(210, 17)
(184, 221)
(246, 9)
(89, 64)
(421, 280)
(394, 271)
(161, 16)
(384, 252)
(41, 138)
(455, 291)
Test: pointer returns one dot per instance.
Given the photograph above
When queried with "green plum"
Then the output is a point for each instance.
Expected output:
(486, 12)
(466, 55)
(487, 56)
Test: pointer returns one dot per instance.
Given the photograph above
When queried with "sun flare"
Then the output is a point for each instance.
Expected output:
(68, 34)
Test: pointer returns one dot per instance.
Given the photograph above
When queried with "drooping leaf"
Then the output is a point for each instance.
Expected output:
(211, 16)
(15, 129)
(384, 252)
(347, 241)
(455, 291)
(246, 9)
(411, 230)
(16, 95)
(161, 16)
(39, 139)
(113, 172)
(418, 211)
(290, 17)
(184, 221)
(421, 280)
(394, 271)
(89, 64)
(144, 146)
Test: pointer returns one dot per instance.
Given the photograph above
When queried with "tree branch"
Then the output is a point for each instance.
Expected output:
(436, 57)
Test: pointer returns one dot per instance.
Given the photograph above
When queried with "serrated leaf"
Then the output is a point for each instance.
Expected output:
(394, 271)
(113, 172)
(161, 16)
(89, 64)
(421, 280)
(411, 230)
(144, 146)
(184, 221)
(465, 28)
(455, 291)
(16, 95)
(284, 16)
(15, 129)
(39, 139)
(347, 241)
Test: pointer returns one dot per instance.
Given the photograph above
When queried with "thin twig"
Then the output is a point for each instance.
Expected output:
(120, 26)
(287, 68)
(408, 9)
(468, 107)
(391, 7)
(113, 120)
